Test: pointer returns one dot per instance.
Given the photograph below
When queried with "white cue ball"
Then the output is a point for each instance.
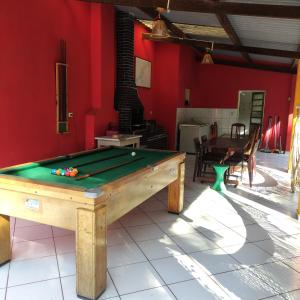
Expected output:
(133, 154)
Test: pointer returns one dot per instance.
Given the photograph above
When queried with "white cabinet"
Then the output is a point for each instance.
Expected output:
(187, 134)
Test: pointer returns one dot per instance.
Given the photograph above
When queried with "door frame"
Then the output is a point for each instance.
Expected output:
(251, 91)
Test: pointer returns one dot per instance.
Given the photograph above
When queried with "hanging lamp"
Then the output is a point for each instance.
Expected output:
(207, 58)
(159, 27)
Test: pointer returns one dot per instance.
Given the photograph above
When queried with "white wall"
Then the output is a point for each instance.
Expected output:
(223, 117)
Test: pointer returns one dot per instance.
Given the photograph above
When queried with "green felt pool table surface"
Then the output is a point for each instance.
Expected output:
(41, 171)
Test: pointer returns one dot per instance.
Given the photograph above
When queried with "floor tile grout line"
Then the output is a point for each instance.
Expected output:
(57, 264)
(33, 282)
(115, 287)
(30, 240)
(153, 267)
(251, 269)
(40, 257)
(144, 291)
(281, 294)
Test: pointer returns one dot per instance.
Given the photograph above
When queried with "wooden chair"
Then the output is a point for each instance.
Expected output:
(204, 139)
(214, 130)
(248, 156)
(238, 129)
(204, 158)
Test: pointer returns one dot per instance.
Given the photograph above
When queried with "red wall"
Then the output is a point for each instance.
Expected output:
(217, 86)
(187, 69)
(102, 59)
(30, 32)
(174, 71)
(166, 86)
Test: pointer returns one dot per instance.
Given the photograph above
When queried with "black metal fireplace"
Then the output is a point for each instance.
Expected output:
(127, 102)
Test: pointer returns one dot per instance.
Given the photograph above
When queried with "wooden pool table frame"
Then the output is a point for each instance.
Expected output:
(88, 214)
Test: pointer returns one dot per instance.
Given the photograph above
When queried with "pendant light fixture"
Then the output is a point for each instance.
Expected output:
(207, 58)
(159, 27)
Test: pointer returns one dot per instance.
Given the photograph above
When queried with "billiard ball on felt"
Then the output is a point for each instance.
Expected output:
(63, 173)
(58, 172)
(72, 174)
(133, 154)
(67, 173)
(75, 171)
(53, 171)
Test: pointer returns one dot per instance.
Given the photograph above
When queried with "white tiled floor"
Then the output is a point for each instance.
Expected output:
(244, 244)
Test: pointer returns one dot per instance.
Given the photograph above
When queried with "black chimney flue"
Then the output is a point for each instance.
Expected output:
(127, 102)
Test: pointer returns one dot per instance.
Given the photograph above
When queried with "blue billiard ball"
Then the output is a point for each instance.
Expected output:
(53, 171)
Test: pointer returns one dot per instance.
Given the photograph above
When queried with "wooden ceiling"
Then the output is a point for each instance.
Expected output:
(200, 36)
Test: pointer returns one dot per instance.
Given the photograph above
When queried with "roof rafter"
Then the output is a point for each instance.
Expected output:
(262, 67)
(221, 46)
(226, 24)
(177, 32)
(227, 8)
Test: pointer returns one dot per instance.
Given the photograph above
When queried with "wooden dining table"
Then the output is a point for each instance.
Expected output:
(230, 145)
(226, 142)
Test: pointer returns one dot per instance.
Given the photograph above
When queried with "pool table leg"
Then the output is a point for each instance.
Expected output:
(5, 249)
(91, 261)
(176, 191)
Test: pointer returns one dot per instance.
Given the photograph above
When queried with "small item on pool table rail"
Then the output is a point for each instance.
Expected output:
(109, 168)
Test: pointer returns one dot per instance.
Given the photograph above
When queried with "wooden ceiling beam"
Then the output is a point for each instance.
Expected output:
(254, 66)
(221, 46)
(227, 26)
(204, 6)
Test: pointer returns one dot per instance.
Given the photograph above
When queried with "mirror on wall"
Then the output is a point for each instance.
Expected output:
(62, 98)
(62, 91)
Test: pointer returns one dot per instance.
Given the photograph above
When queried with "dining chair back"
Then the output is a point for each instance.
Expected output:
(237, 130)
(214, 130)
(204, 158)
(204, 139)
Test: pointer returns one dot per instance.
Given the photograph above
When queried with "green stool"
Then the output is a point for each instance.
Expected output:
(219, 184)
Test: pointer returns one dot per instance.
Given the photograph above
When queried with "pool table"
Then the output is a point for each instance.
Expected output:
(111, 182)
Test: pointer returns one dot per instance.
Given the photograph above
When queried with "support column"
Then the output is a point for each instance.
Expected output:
(296, 109)
(5, 249)
(176, 192)
(296, 104)
(91, 261)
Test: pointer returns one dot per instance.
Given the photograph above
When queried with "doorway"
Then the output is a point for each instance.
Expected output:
(251, 109)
